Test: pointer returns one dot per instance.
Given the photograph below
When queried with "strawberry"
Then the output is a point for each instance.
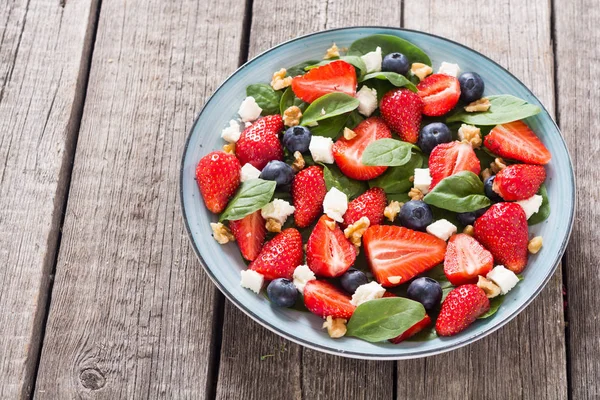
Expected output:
(503, 231)
(461, 308)
(466, 259)
(397, 254)
(328, 252)
(440, 93)
(413, 330)
(519, 181)
(516, 141)
(249, 233)
(259, 143)
(401, 109)
(370, 204)
(447, 159)
(279, 256)
(308, 192)
(348, 153)
(324, 299)
(218, 177)
(337, 76)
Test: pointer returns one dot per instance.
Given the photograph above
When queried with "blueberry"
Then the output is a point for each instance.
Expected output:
(279, 172)
(352, 279)
(416, 215)
(489, 192)
(426, 291)
(468, 218)
(297, 138)
(471, 86)
(282, 292)
(395, 62)
(433, 134)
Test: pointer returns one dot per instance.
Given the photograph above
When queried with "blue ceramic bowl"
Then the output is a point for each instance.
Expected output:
(224, 263)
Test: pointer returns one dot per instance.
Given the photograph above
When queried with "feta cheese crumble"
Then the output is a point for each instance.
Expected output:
(249, 110)
(302, 275)
(321, 149)
(447, 68)
(249, 172)
(373, 60)
(366, 292)
(442, 229)
(531, 205)
(335, 204)
(422, 180)
(503, 277)
(278, 210)
(232, 133)
(252, 280)
(367, 99)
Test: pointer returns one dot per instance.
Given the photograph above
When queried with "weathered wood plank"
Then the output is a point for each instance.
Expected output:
(44, 53)
(131, 313)
(577, 43)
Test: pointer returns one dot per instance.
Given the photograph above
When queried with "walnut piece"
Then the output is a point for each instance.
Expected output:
(299, 163)
(336, 327)
(355, 231)
(497, 165)
(292, 115)
(273, 225)
(229, 148)
(415, 194)
(482, 104)
(469, 230)
(470, 134)
(279, 80)
(332, 52)
(486, 173)
(392, 210)
(349, 134)
(394, 279)
(421, 70)
(221, 233)
(490, 288)
(535, 245)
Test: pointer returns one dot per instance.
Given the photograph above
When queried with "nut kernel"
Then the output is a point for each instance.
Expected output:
(229, 148)
(221, 233)
(497, 165)
(299, 163)
(273, 225)
(336, 327)
(480, 105)
(355, 231)
(292, 115)
(392, 210)
(279, 80)
(535, 245)
(469, 230)
(470, 134)
(349, 134)
(332, 52)
(490, 288)
(421, 70)
(415, 194)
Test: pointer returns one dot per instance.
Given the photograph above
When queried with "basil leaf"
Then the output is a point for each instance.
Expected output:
(352, 60)
(504, 108)
(392, 77)
(389, 44)
(354, 119)
(494, 306)
(330, 127)
(251, 196)
(329, 105)
(382, 319)
(461, 192)
(298, 69)
(266, 98)
(289, 99)
(397, 179)
(381, 86)
(388, 153)
(335, 178)
(544, 211)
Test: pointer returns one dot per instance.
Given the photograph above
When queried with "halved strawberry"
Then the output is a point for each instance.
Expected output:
(447, 159)
(413, 330)
(519, 181)
(460, 309)
(503, 231)
(337, 76)
(402, 110)
(440, 93)
(279, 256)
(308, 192)
(328, 252)
(516, 141)
(348, 153)
(370, 204)
(259, 143)
(324, 300)
(466, 259)
(397, 254)
(218, 177)
(249, 233)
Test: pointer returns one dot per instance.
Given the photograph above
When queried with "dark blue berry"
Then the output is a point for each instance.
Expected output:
(352, 279)
(416, 215)
(426, 291)
(297, 138)
(282, 292)
(471, 86)
(279, 172)
(489, 192)
(433, 134)
(395, 62)
(468, 218)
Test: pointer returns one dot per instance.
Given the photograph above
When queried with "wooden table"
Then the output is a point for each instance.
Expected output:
(101, 295)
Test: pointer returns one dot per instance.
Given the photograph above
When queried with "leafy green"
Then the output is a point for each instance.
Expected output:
(251, 196)
(329, 105)
(266, 98)
(354, 119)
(389, 44)
(544, 211)
(504, 108)
(461, 192)
(298, 69)
(353, 60)
(381, 86)
(289, 99)
(388, 152)
(397, 179)
(494, 306)
(335, 178)
(330, 127)
(400, 197)
(392, 77)
(484, 157)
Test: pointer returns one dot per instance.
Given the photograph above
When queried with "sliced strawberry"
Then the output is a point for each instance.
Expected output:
(516, 141)
(448, 159)
(413, 330)
(259, 143)
(328, 252)
(402, 110)
(308, 192)
(279, 256)
(218, 177)
(337, 76)
(324, 300)
(519, 181)
(397, 254)
(503, 231)
(440, 93)
(460, 309)
(370, 204)
(249, 233)
(348, 153)
(466, 259)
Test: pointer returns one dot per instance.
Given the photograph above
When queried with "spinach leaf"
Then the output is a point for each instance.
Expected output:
(354, 119)
(289, 99)
(400, 197)
(353, 60)
(251, 196)
(389, 44)
(494, 306)
(461, 192)
(484, 157)
(544, 211)
(266, 98)
(382, 319)
(382, 87)
(335, 178)
(392, 77)
(329, 105)
(330, 127)
(298, 69)
(504, 108)
(440, 213)
(388, 153)
(397, 179)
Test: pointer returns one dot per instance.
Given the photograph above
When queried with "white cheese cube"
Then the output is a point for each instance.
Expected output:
(367, 100)
(321, 149)
(531, 205)
(422, 180)
(278, 210)
(503, 277)
(249, 110)
(232, 133)
(449, 69)
(373, 60)
(252, 280)
(302, 275)
(335, 204)
(249, 172)
(442, 229)
(366, 292)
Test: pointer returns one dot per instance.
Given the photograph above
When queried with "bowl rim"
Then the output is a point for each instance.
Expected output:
(357, 355)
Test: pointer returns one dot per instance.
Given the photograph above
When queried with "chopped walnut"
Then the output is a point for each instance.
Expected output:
(415, 194)
(421, 70)
(394, 279)
(482, 104)
(349, 134)
(392, 210)
(292, 115)
(411, 178)
(279, 80)
(229, 148)
(330, 224)
(336, 327)
(470, 134)
(299, 163)
(332, 52)
(497, 165)
(535, 245)
(355, 231)
(490, 288)
(221, 233)
(273, 225)
(469, 230)
(486, 173)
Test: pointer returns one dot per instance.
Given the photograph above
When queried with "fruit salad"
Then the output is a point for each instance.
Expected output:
(386, 195)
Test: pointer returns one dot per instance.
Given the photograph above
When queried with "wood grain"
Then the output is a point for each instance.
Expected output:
(131, 313)
(44, 53)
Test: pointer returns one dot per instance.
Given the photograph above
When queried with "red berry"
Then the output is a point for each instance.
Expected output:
(460, 309)
(280, 256)
(337, 76)
(519, 181)
(448, 159)
(259, 143)
(249, 233)
(308, 192)
(516, 141)
(328, 252)
(370, 204)
(440, 93)
(402, 110)
(466, 259)
(218, 177)
(324, 300)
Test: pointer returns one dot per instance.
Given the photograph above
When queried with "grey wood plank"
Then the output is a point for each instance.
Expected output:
(44, 53)
(132, 311)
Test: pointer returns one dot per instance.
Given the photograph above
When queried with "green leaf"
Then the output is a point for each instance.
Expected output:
(289, 99)
(400, 197)
(354, 119)
(461, 192)
(392, 77)
(335, 178)
(330, 127)
(544, 211)
(484, 157)
(389, 44)
(504, 108)
(251, 196)
(330, 105)
(494, 306)
(353, 60)
(382, 87)
(424, 335)
(397, 179)
(382, 319)
(266, 98)
(298, 69)
(388, 153)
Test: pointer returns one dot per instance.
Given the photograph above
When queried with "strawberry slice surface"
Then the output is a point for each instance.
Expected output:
(370, 204)
(402, 110)
(519, 181)
(413, 330)
(460, 309)
(308, 192)
(279, 256)
(517, 141)
(218, 177)
(447, 159)
(324, 299)
(249, 233)
(466, 259)
(328, 252)
(337, 76)
(259, 143)
(440, 94)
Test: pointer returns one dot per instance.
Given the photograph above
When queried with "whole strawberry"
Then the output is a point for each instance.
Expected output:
(370, 204)
(259, 143)
(218, 177)
(460, 309)
(280, 256)
(519, 181)
(308, 192)
(401, 109)
(503, 231)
